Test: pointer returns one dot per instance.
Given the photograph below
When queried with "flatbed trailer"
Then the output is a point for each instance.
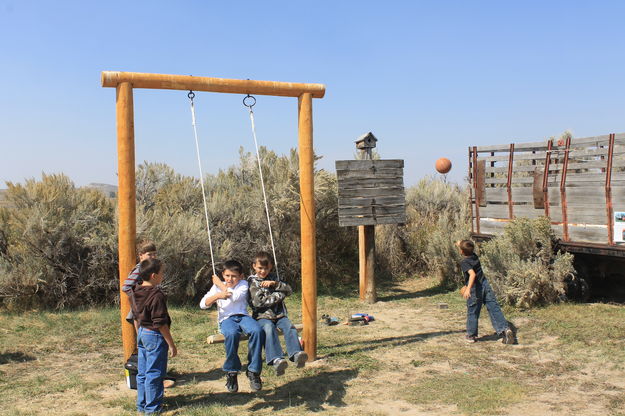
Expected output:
(579, 184)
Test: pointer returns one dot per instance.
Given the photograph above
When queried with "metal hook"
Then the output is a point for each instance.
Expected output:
(191, 95)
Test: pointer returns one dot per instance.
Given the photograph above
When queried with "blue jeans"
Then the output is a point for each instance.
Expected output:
(152, 365)
(482, 293)
(231, 328)
(273, 349)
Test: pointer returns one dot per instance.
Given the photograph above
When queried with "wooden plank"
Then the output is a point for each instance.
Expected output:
(618, 197)
(354, 183)
(348, 222)
(361, 202)
(530, 146)
(501, 211)
(581, 215)
(588, 234)
(542, 145)
(368, 173)
(367, 164)
(496, 195)
(515, 180)
(538, 156)
(588, 152)
(219, 338)
(492, 227)
(371, 210)
(371, 192)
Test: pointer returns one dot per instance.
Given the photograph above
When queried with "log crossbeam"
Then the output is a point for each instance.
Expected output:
(112, 79)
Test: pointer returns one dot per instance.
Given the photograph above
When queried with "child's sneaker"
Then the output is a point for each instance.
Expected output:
(470, 339)
(231, 382)
(255, 382)
(508, 336)
(280, 365)
(300, 359)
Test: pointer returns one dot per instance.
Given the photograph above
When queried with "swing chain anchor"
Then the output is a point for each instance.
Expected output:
(251, 103)
(191, 95)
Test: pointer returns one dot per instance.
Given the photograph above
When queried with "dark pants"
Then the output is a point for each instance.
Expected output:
(483, 294)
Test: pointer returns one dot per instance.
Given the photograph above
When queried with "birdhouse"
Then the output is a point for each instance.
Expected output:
(366, 141)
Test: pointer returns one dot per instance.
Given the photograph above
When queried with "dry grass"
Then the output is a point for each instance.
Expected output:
(411, 360)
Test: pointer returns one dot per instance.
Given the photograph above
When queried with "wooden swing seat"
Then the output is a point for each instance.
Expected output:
(219, 338)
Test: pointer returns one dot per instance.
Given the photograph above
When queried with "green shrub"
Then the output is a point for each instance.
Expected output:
(521, 264)
(172, 215)
(439, 216)
(59, 245)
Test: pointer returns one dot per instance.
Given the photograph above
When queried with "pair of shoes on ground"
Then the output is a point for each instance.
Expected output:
(280, 364)
(232, 383)
(470, 339)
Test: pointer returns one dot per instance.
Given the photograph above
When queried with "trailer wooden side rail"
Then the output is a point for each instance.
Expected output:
(579, 184)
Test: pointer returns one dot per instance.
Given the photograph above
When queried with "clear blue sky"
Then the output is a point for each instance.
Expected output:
(428, 78)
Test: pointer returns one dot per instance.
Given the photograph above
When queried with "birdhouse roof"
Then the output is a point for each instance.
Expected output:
(366, 137)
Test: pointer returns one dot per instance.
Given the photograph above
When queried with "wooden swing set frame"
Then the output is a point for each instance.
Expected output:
(124, 83)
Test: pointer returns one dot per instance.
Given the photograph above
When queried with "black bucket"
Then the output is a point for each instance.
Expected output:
(131, 369)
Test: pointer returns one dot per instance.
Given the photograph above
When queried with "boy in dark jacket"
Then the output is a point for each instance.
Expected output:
(477, 291)
(154, 339)
(266, 299)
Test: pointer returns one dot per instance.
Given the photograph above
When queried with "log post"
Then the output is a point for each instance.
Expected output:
(366, 257)
(307, 225)
(126, 201)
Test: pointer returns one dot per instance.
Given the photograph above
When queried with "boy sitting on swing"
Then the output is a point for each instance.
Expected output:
(231, 299)
(267, 295)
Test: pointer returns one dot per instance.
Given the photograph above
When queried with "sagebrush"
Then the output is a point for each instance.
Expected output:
(522, 266)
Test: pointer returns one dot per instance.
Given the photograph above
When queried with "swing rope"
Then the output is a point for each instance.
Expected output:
(249, 101)
(191, 96)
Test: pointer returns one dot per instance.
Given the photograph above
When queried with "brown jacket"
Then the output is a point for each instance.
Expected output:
(149, 305)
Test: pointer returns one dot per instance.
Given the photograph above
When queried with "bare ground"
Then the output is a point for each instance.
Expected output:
(412, 360)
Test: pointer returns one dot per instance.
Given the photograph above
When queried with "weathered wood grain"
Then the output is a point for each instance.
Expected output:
(361, 202)
(368, 173)
(369, 220)
(367, 164)
(372, 192)
(371, 210)
(357, 183)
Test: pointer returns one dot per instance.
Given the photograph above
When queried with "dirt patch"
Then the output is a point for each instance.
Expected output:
(412, 360)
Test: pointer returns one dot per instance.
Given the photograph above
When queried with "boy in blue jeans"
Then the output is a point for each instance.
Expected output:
(154, 339)
(231, 299)
(477, 291)
(267, 295)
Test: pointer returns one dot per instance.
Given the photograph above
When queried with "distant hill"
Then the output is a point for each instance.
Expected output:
(108, 190)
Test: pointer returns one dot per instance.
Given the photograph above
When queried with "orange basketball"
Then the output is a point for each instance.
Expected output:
(443, 165)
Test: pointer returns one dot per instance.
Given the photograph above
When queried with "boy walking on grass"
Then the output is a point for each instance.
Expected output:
(154, 339)
(267, 294)
(231, 299)
(477, 291)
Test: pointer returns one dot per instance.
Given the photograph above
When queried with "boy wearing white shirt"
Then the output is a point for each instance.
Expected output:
(231, 298)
